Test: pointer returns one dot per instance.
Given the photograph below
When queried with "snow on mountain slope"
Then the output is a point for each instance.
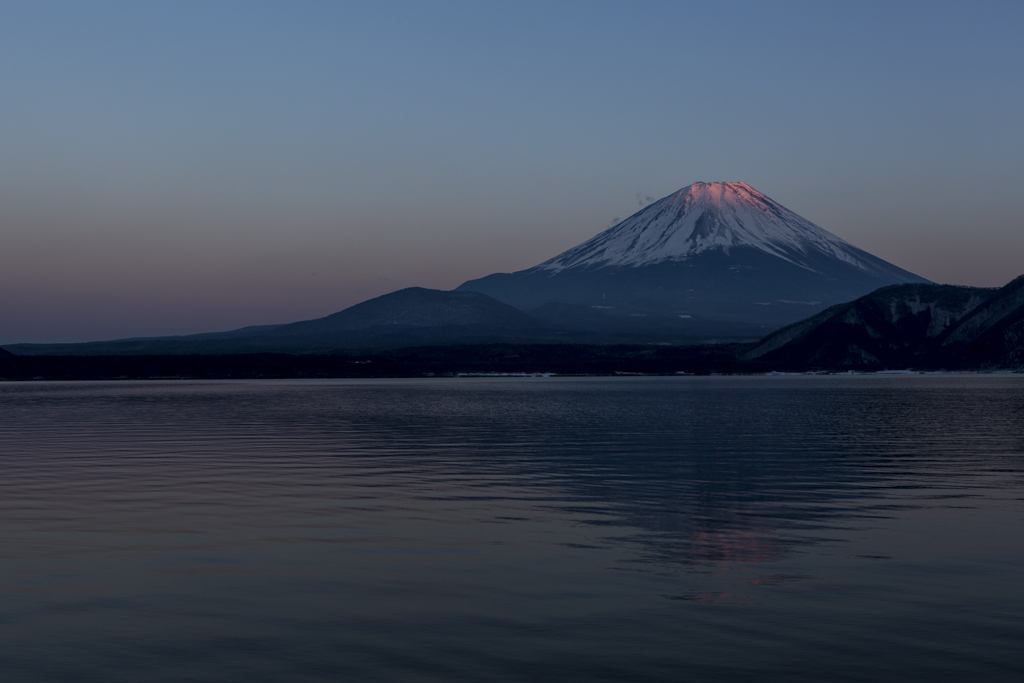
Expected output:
(711, 256)
(706, 216)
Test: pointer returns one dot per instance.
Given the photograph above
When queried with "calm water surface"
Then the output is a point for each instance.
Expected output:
(541, 529)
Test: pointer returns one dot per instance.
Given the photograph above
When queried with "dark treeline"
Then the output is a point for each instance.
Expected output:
(566, 359)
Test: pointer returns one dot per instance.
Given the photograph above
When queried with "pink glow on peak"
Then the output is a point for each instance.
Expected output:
(717, 194)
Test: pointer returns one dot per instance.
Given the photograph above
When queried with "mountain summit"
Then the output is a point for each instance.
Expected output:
(706, 216)
(716, 258)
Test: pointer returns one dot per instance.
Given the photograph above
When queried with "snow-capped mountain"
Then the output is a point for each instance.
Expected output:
(706, 216)
(714, 256)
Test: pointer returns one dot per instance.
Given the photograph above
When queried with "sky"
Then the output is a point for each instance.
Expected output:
(184, 167)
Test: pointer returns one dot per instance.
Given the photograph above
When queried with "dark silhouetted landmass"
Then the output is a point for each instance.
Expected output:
(906, 326)
(565, 359)
(909, 326)
(406, 318)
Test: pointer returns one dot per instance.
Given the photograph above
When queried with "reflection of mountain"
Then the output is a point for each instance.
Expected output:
(728, 481)
(738, 547)
(481, 497)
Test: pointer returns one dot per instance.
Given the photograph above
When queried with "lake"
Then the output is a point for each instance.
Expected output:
(804, 528)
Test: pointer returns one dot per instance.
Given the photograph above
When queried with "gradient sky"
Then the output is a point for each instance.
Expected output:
(181, 167)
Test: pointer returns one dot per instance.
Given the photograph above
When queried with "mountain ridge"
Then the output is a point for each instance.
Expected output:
(407, 317)
(906, 326)
(900, 327)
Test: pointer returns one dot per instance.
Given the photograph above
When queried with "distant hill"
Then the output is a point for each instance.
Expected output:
(408, 317)
(906, 326)
(713, 258)
(416, 307)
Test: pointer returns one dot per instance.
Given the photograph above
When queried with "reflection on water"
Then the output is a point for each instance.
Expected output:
(802, 528)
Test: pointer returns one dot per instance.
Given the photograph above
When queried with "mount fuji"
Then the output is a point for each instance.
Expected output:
(713, 259)
(712, 262)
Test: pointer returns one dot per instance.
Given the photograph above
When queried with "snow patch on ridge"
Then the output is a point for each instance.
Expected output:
(705, 216)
